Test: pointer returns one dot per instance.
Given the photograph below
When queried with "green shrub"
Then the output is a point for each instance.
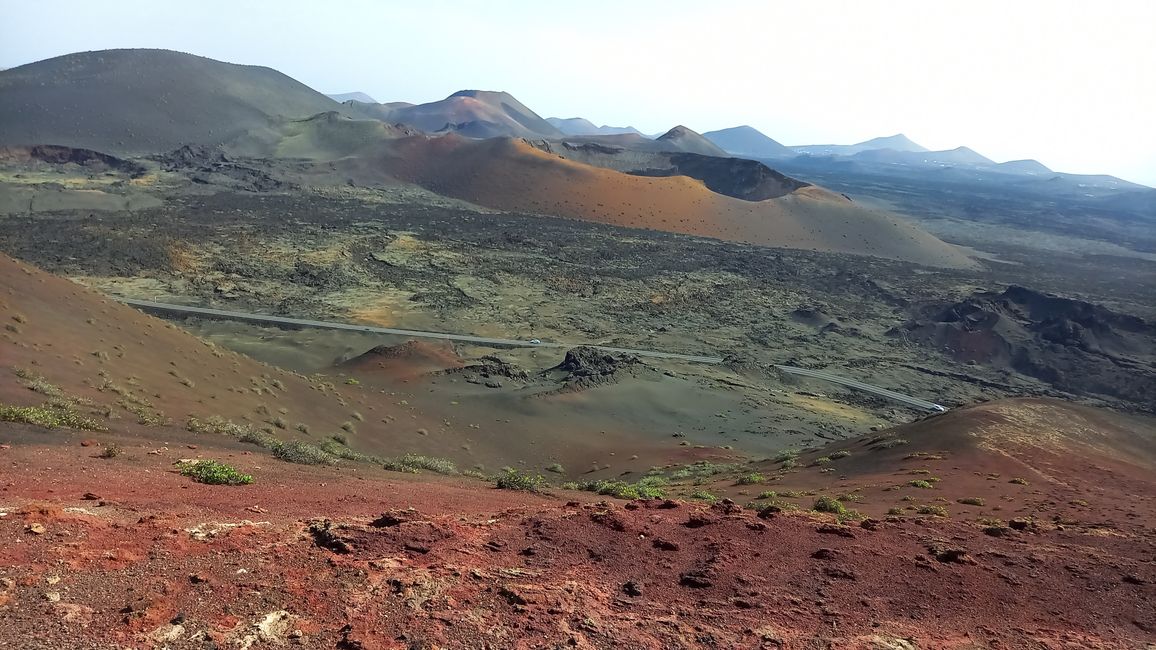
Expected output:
(49, 416)
(414, 463)
(850, 497)
(259, 438)
(785, 456)
(213, 472)
(895, 511)
(512, 479)
(769, 494)
(926, 485)
(971, 501)
(829, 504)
(556, 468)
(842, 453)
(938, 511)
(754, 478)
(301, 453)
(701, 469)
(649, 487)
(1019, 481)
(703, 495)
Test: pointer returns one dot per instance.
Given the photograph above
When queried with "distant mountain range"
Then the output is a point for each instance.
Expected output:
(153, 101)
(897, 142)
(583, 126)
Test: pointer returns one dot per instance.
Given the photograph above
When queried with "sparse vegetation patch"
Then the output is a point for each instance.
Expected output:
(512, 479)
(213, 472)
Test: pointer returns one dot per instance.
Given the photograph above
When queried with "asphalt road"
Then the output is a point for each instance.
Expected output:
(481, 340)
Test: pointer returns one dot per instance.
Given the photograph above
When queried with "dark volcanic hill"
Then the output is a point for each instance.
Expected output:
(1074, 345)
(683, 139)
(747, 141)
(145, 101)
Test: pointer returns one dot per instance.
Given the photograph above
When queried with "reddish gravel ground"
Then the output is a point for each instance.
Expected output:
(326, 558)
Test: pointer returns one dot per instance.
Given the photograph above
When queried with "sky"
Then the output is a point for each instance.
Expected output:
(1072, 84)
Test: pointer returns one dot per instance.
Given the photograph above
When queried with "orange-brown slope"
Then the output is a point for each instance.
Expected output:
(511, 175)
(133, 367)
(1043, 459)
(405, 361)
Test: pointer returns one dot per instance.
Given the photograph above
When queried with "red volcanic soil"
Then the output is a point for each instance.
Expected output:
(123, 552)
(511, 175)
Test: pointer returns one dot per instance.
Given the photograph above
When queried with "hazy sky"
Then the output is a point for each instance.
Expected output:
(1072, 84)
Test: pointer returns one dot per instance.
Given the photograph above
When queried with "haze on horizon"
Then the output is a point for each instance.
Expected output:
(1067, 83)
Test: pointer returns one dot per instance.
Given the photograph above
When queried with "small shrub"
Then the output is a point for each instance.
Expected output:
(849, 515)
(358, 416)
(301, 453)
(347, 427)
(700, 470)
(414, 463)
(279, 422)
(352, 382)
(703, 495)
(895, 511)
(971, 501)
(891, 442)
(851, 497)
(785, 455)
(110, 451)
(926, 485)
(937, 511)
(842, 453)
(512, 479)
(49, 416)
(259, 438)
(304, 428)
(212, 472)
(556, 468)
(649, 487)
(341, 438)
(829, 504)
(822, 460)
(754, 478)
(1019, 481)
(769, 494)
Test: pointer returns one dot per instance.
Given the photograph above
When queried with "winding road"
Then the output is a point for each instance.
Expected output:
(482, 340)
